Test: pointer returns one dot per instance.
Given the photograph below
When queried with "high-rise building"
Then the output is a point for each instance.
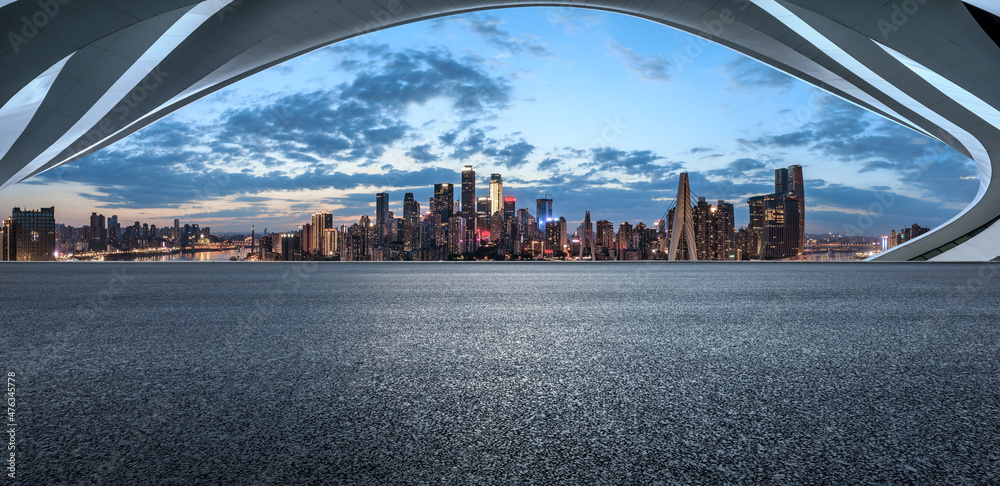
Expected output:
(496, 193)
(381, 215)
(456, 236)
(411, 222)
(321, 222)
(780, 217)
(468, 192)
(483, 205)
(444, 201)
(29, 236)
(624, 236)
(509, 211)
(543, 212)
(98, 233)
(553, 238)
(605, 234)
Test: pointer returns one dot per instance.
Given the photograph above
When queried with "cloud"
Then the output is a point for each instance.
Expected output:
(515, 154)
(422, 153)
(843, 132)
(638, 162)
(488, 28)
(751, 74)
(655, 68)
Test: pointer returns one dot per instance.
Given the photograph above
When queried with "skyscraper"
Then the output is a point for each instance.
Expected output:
(780, 216)
(411, 222)
(483, 205)
(468, 192)
(444, 201)
(496, 193)
(543, 212)
(98, 233)
(29, 236)
(320, 223)
(509, 211)
(381, 215)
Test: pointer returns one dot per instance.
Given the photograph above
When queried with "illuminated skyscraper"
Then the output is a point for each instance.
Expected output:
(468, 192)
(509, 211)
(780, 216)
(29, 236)
(543, 212)
(496, 193)
(444, 201)
(411, 222)
(320, 223)
(483, 205)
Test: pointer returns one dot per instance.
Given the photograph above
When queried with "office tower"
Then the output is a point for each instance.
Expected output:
(287, 246)
(331, 241)
(98, 233)
(587, 238)
(468, 204)
(496, 227)
(624, 236)
(381, 214)
(543, 214)
(509, 212)
(456, 236)
(789, 182)
(725, 228)
(306, 239)
(703, 228)
(496, 193)
(563, 233)
(605, 234)
(755, 228)
(411, 222)
(361, 240)
(780, 217)
(483, 205)
(553, 238)
(29, 236)
(321, 222)
(682, 225)
(780, 232)
(177, 230)
(444, 201)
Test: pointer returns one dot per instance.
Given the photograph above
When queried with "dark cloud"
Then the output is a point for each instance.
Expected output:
(515, 154)
(638, 162)
(422, 153)
(655, 68)
(548, 164)
(747, 73)
(840, 131)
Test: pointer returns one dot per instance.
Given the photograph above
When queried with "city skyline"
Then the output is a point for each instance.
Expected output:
(275, 148)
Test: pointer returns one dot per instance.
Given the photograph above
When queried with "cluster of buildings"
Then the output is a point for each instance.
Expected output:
(476, 225)
(491, 226)
(33, 235)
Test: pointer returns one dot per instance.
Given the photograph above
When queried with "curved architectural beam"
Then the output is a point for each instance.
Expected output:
(111, 67)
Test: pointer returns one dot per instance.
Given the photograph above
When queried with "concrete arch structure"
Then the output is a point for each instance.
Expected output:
(78, 75)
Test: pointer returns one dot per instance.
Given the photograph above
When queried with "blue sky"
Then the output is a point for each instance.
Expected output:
(600, 110)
